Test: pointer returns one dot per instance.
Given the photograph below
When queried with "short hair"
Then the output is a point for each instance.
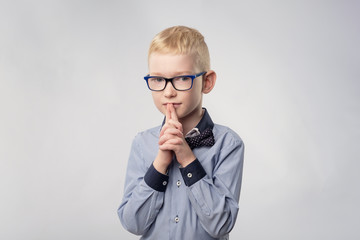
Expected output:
(182, 40)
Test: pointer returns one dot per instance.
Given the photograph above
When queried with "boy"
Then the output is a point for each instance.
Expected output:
(183, 178)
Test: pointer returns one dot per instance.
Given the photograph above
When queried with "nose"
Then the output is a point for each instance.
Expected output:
(169, 90)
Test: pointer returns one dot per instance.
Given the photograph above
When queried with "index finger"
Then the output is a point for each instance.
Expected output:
(173, 114)
(168, 112)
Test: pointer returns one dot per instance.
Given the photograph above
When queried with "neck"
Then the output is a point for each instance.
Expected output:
(190, 121)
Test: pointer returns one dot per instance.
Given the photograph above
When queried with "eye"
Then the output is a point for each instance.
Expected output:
(156, 79)
(184, 78)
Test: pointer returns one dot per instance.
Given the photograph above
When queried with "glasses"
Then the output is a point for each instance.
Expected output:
(180, 83)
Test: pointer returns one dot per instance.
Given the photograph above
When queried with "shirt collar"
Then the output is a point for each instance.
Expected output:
(205, 122)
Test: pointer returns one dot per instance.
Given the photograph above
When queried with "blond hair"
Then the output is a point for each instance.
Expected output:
(182, 40)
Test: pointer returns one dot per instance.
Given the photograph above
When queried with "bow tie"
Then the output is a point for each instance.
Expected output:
(206, 138)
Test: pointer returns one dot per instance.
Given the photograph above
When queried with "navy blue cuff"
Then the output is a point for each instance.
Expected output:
(155, 179)
(192, 172)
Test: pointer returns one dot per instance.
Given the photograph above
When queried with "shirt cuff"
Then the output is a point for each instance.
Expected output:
(192, 172)
(155, 179)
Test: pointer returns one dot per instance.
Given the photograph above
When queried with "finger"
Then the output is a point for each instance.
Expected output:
(163, 129)
(170, 134)
(175, 124)
(172, 145)
(171, 124)
(168, 112)
(165, 147)
(173, 113)
(173, 132)
(167, 119)
(166, 126)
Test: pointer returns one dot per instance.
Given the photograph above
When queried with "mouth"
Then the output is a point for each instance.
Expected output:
(176, 105)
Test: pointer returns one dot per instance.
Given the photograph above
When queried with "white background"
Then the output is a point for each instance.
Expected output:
(72, 97)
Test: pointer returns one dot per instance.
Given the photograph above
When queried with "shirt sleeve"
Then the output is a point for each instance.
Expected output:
(215, 199)
(192, 173)
(141, 203)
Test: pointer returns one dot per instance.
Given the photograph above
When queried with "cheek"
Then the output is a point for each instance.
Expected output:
(157, 102)
(198, 85)
(196, 91)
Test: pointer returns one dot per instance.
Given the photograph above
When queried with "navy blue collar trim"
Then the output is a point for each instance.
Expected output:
(205, 122)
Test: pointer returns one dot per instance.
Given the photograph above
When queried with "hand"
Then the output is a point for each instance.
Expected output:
(164, 156)
(172, 138)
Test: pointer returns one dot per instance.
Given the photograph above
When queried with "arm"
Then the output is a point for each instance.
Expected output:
(144, 188)
(215, 199)
(143, 198)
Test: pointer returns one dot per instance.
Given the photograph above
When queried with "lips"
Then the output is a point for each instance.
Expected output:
(174, 104)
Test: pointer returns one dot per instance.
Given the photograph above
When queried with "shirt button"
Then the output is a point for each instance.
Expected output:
(176, 219)
(178, 183)
(164, 183)
(189, 175)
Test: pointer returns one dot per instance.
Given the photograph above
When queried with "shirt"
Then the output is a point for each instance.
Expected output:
(199, 201)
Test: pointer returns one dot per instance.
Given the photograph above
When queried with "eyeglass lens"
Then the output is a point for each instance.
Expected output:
(179, 83)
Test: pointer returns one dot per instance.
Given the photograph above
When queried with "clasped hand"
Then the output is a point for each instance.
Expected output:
(172, 141)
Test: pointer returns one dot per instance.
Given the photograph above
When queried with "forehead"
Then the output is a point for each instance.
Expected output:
(169, 65)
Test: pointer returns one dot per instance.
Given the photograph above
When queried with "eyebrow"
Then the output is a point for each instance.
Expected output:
(176, 74)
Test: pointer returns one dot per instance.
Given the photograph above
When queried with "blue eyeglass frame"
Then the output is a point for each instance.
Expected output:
(171, 79)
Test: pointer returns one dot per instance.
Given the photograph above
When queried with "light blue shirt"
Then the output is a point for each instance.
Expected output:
(197, 202)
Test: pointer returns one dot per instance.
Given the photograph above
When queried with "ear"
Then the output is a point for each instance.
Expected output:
(209, 81)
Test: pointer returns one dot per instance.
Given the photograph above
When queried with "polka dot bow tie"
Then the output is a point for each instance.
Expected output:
(206, 138)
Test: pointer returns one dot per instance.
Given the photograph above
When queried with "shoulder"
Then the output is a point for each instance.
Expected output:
(148, 134)
(226, 136)
(145, 144)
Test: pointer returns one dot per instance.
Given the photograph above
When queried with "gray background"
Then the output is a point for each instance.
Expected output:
(72, 98)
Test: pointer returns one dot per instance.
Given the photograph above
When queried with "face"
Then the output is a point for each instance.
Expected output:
(188, 104)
